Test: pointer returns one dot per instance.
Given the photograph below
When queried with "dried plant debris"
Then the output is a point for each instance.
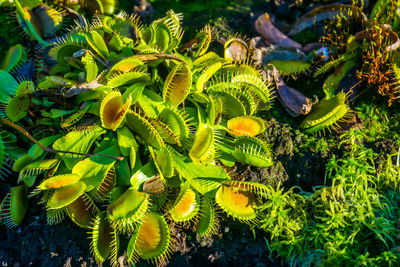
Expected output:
(273, 35)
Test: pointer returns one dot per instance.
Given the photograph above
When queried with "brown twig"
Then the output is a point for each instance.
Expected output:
(47, 149)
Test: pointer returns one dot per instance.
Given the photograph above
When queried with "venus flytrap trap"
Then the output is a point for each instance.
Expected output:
(15, 99)
(327, 114)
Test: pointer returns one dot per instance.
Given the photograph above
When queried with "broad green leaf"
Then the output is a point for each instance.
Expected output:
(131, 204)
(59, 181)
(203, 177)
(92, 170)
(13, 57)
(126, 141)
(145, 173)
(96, 41)
(124, 173)
(135, 90)
(65, 195)
(35, 151)
(76, 141)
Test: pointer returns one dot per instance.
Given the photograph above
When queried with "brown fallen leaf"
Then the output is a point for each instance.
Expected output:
(327, 12)
(294, 102)
(272, 34)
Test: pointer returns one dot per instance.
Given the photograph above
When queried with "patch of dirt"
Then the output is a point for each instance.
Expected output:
(303, 168)
(35, 243)
(233, 245)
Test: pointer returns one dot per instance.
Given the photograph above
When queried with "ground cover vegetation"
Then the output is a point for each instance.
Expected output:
(133, 131)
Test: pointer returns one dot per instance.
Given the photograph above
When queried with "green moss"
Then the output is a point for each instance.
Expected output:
(352, 221)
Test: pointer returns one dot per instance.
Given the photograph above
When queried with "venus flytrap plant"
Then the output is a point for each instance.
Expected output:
(14, 206)
(327, 114)
(25, 19)
(151, 121)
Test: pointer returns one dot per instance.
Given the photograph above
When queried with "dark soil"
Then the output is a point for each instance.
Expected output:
(35, 243)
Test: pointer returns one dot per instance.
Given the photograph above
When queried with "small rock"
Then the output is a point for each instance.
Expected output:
(143, 8)
(68, 262)
(52, 254)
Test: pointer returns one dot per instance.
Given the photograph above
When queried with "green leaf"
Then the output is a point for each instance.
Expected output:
(186, 205)
(143, 127)
(145, 173)
(126, 141)
(135, 90)
(18, 206)
(207, 222)
(25, 88)
(203, 146)
(90, 67)
(38, 167)
(203, 177)
(151, 239)
(96, 41)
(128, 209)
(76, 141)
(21, 162)
(124, 65)
(177, 84)
(59, 181)
(66, 195)
(128, 78)
(13, 57)
(92, 170)
(124, 173)
(331, 84)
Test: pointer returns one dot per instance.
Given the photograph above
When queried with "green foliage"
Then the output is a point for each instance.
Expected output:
(351, 221)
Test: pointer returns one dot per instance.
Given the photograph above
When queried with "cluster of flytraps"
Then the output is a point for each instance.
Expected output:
(138, 128)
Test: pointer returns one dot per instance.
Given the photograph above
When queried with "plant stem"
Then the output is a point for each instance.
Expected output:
(47, 149)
